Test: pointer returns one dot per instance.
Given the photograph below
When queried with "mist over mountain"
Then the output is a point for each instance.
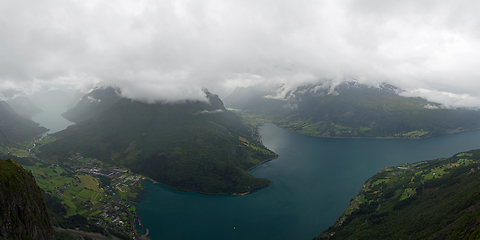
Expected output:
(170, 50)
(93, 104)
(47, 98)
(194, 145)
(24, 106)
(351, 109)
(20, 103)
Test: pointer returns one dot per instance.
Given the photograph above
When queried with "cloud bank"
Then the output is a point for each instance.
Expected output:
(171, 49)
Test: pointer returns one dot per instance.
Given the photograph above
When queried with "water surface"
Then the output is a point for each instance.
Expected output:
(313, 180)
(51, 118)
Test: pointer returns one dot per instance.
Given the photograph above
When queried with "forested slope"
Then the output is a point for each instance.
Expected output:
(353, 110)
(437, 199)
(15, 128)
(194, 146)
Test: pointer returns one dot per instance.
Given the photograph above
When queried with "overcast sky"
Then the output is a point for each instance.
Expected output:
(172, 49)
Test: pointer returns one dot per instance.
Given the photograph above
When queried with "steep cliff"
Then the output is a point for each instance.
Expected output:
(23, 213)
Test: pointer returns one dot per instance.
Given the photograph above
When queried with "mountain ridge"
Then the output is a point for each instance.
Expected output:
(194, 146)
(15, 128)
(353, 110)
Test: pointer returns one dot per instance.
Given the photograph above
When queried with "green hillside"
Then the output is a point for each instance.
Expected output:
(15, 128)
(353, 110)
(193, 146)
(437, 199)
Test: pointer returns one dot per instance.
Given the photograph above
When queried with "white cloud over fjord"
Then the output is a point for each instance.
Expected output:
(170, 50)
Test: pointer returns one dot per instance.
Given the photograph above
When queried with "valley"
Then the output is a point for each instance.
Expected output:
(87, 190)
(92, 173)
(192, 146)
(239, 120)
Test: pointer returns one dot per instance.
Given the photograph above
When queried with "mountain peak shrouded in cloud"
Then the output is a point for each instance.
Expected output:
(170, 50)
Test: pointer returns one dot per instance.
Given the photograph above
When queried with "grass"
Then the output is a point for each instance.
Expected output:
(46, 139)
(379, 181)
(19, 152)
(75, 195)
(464, 154)
(407, 193)
(414, 134)
(437, 172)
(3, 150)
(464, 161)
(72, 210)
(90, 182)
(85, 160)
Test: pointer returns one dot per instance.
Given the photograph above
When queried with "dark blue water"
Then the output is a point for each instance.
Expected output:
(313, 180)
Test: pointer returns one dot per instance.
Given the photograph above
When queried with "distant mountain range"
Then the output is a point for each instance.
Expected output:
(20, 103)
(24, 106)
(193, 146)
(353, 110)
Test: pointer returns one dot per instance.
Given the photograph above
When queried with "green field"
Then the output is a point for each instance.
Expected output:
(45, 140)
(90, 182)
(19, 152)
(379, 181)
(74, 194)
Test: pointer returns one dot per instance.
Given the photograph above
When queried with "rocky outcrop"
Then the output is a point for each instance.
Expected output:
(23, 213)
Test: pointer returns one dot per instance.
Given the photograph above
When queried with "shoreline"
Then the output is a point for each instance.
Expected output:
(238, 194)
(383, 138)
(264, 161)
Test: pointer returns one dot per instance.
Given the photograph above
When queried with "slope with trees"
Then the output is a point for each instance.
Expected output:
(437, 199)
(353, 110)
(194, 146)
(15, 128)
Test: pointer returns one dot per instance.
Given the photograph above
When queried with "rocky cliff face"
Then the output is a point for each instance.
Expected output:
(23, 213)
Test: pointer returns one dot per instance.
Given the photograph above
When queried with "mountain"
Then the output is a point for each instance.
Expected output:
(24, 106)
(20, 103)
(437, 199)
(193, 146)
(93, 104)
(353, 110)
(15, 128)
(23, 213)
(77, 96)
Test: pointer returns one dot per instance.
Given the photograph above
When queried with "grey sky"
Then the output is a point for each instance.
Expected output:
(157, 50)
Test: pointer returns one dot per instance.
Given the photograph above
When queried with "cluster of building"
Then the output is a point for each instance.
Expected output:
(118, 218)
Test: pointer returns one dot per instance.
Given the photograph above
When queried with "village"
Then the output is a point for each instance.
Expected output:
(96, 191)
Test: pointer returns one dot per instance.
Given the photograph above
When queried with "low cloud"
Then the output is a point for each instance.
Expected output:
(209, 112)
(170, 50)
(446, 99)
